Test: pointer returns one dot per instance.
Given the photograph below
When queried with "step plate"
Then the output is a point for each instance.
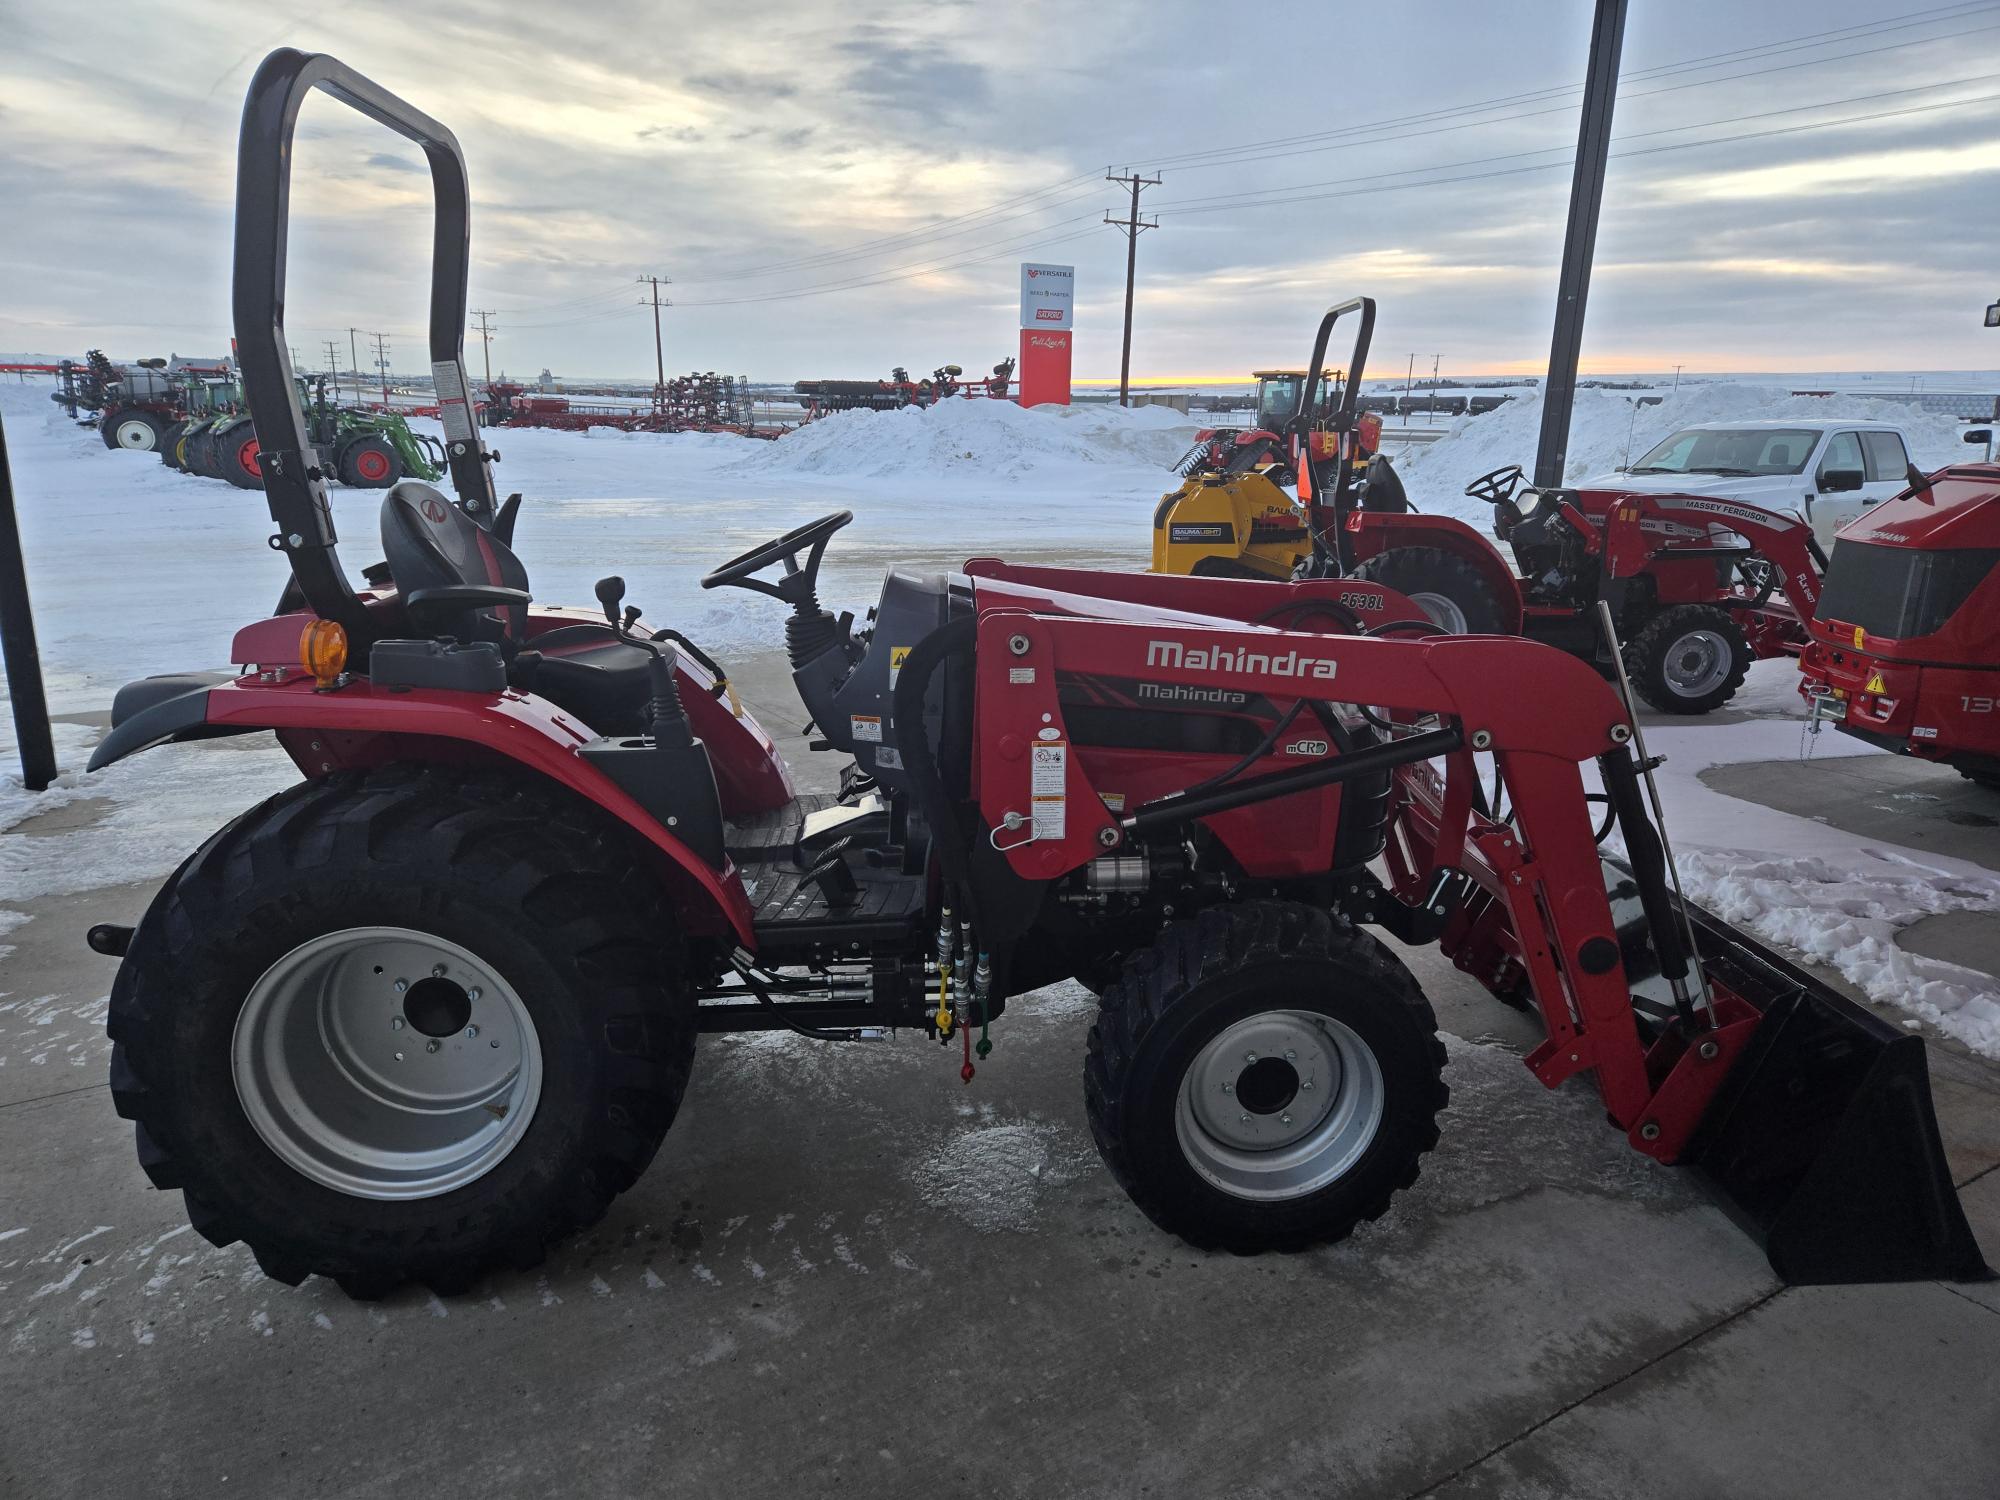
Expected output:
(758, 838)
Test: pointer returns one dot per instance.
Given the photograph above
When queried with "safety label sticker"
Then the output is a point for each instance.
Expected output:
(867, 728)
(897, 656)
(1048, 789)
(447, 379)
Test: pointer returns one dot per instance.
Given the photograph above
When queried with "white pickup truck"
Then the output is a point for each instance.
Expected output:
(1831, 471)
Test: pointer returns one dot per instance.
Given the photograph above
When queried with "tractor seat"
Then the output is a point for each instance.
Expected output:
(584, 669)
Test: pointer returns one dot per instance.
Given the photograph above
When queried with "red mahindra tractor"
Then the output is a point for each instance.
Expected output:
(1699, 587)
(433, 1007)
(1905, 652)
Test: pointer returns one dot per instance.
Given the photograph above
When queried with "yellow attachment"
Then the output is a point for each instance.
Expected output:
(323, 650)
(943, 1017)
(1233, 527)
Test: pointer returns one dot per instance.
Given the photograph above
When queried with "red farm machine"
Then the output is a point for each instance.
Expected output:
(1697, 586)
(139, 406)
(823, 397)
(1905, 652)
(433, 1007)
(698, 402)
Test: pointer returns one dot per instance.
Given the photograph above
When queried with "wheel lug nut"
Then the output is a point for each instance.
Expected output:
(430, 1046)
(1290, 1055)
(1229, 1088)
(471, 1031)
(473, 993)
(395, 1023)
(1305, 1083)
(401, 985)
(437, 971)
(399, 1057)
(1249, 1057)
(1244, 1118)
(1284, 1119)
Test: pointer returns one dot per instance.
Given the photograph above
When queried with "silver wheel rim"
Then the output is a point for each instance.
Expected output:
(132, 433)
(1443, 612)
(1696, 663)
(386, 1063)
(1279, 1105)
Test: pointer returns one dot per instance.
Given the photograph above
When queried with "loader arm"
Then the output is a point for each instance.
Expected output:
(1812, 1117)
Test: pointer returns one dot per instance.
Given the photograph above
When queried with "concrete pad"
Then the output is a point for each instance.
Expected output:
(1970, 939)
(1981, 1201)
(1822, 1391)
(1911, 803)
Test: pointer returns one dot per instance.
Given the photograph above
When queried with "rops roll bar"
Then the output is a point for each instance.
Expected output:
(293, 484)
(1330, 479)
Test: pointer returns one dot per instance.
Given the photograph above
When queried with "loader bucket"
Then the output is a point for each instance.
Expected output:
(1822, 1142)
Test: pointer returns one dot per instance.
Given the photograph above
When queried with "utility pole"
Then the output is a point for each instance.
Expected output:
(486, 344)
(1586, 196)
(354, 361)
(1133, 226)
(333, 368)
(382, 362)
(1677, 377)
(1409, 380)
(659, 355)
(1430, 409)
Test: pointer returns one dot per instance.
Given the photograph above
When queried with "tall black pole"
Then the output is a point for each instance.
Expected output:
(17, 645)
(1132, 225)
(1586, 195)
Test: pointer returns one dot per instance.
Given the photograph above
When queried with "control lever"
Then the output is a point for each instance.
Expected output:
(666, 717)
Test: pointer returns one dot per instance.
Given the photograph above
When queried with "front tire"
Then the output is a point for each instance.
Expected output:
(370, 463)
(310, 1098)
(1266, 1077)
(1688, 659)
(1451, 592)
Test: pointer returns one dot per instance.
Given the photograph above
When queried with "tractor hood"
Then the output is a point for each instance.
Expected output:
(1961, 509)
(1770, 491)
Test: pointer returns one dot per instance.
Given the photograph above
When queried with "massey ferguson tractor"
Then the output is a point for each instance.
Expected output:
(1699, 586)
(433, 1007)
(1905, 651)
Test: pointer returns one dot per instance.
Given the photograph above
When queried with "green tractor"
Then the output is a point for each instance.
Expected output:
(363, 449)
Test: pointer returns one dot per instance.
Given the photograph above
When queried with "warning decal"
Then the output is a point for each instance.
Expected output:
(897, 656)
(867, 728)
(1048, 789)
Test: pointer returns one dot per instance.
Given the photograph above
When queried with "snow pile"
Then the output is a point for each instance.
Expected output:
(1844, 914)
(991, 439)
(1606, 430)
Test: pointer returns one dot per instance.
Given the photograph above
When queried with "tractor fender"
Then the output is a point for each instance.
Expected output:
(360, 724)
(157, 710)
(1372, 533)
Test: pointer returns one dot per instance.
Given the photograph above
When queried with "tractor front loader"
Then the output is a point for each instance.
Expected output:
(428, 1011)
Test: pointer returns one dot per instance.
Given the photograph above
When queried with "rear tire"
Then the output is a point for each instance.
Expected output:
(236, 450)
(1688, 659)
(376, 1156)
(370, 463)
(1323, 1048)
(134, 430)
(1451, 592)
(169, 443)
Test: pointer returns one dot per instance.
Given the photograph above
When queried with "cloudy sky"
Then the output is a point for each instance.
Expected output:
(836, 188)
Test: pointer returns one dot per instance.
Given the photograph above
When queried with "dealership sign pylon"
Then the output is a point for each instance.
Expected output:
(1048, 300)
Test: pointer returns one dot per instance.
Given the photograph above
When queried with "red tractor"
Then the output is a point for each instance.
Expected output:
(1699, 587)
(1905, 652)
(432, 1008)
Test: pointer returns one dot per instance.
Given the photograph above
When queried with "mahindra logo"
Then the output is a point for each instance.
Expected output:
(1227, 659)
(434, 512)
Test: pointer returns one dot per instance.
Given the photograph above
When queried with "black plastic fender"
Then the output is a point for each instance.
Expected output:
(154, 710)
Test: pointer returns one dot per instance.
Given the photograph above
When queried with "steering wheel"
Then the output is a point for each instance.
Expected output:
(1498, 487)
(796, 587)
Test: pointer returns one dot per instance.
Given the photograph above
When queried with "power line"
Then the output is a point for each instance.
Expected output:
(486, 343)
(1132, 226)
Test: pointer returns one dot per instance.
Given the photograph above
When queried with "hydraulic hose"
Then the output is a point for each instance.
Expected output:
(913, 744)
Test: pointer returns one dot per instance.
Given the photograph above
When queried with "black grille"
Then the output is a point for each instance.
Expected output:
(1900, 592)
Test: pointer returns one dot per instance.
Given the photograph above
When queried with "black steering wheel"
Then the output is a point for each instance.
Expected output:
(1498, 487)
(797, 585)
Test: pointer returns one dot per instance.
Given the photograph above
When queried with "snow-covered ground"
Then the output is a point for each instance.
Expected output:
(135, 569)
